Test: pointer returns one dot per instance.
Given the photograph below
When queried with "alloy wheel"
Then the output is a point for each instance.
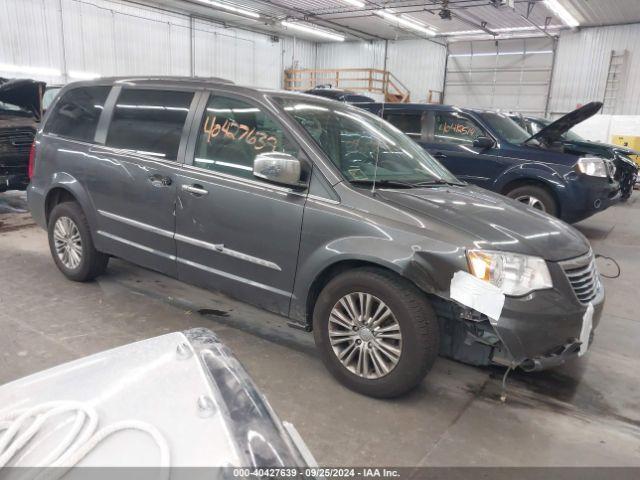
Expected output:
(67, 242)
(365, 335)
(532, 201)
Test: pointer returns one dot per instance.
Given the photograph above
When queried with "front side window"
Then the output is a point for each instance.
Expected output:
(505, 128)
(410, 123)
(233, 133)
(456, 128)
(363, 146)
(149, 122)
(76, 115)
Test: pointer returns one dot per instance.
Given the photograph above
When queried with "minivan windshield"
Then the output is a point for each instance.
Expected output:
(504, 127)
(364, 147)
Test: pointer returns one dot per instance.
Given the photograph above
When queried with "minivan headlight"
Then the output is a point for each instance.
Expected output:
(512, 273)
(594, 167)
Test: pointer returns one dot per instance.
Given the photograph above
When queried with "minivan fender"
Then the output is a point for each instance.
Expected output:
(65, 181)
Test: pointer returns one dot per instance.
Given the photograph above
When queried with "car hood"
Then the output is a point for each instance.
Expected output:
(24, 93)
(552, 132)
(491, 221)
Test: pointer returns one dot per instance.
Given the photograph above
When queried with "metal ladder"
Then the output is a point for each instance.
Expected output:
(615, 80)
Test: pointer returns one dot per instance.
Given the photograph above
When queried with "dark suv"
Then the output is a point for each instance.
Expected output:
(317, 211)
(20, 113)
(626, 169)
(489, 149)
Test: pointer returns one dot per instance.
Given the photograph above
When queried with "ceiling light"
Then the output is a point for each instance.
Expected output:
(405, 21)
(500, 30)
(561, 12)
(355, 3)
(314, 31)
(83, 75)
(27, 70)
(230, 8)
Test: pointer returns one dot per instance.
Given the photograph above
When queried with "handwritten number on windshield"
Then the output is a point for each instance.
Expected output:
(238, 132)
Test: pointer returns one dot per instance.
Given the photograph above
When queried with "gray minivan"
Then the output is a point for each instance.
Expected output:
(317, 211)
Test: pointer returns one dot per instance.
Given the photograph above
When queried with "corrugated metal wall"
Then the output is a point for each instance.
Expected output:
(582, 64)
(424, 71)
(115, 38)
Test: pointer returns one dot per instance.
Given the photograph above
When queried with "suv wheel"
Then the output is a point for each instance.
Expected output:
(536, 197)
(71, 244)
(376, 332)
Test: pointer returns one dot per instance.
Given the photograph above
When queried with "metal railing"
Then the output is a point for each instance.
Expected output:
(353, 79)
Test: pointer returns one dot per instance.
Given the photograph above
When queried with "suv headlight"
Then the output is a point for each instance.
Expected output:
(592, 166)
(512, 273)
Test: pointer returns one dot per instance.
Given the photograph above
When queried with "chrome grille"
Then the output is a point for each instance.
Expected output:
(583, 276)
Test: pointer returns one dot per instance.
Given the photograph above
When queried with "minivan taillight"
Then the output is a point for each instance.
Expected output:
(32, 160)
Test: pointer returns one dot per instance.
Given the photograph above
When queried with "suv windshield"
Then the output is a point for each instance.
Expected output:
(364, 147)
(10, 107)
(505, 127)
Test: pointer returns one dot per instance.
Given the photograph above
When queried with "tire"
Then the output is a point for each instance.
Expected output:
(68, 224)
(412, 314)
(536, 197)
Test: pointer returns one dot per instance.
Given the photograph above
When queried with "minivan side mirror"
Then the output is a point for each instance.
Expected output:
(280, 168)
(483, 143)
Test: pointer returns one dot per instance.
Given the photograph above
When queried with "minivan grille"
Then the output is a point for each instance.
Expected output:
(583, 276)
(16, 141)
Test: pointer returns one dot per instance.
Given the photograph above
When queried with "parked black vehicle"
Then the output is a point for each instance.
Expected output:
(19, 116)
(626, 169)
(315, 210)
(339, 95)
(489, 149)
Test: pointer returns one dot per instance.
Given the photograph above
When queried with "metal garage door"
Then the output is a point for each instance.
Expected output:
(508, 74)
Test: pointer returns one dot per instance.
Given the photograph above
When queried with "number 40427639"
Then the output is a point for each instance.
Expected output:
(238, 132)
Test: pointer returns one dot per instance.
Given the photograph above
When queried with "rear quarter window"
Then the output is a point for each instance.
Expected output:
(77, 113)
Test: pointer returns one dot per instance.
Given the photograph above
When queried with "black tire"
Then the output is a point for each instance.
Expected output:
(414, 315)
(92, 262)
(540, 193)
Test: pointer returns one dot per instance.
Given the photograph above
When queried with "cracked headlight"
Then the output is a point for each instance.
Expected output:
(592, 166)
(512, 273)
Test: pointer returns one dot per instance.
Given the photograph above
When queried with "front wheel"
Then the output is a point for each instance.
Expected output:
(535, 197)
(376, 332)
(71, 244)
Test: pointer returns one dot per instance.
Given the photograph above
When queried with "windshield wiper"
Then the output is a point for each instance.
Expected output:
(438, 181)
(384, 183)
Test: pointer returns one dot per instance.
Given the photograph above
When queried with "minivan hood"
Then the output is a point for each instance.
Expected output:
(24, 93)
(492, 221)
(552, 132)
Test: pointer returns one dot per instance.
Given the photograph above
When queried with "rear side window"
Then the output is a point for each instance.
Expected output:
(410, 123)
(149, 122)
(457, 129)
(77, 113)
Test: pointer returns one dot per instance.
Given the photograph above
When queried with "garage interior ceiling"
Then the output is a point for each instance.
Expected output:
(356, 19)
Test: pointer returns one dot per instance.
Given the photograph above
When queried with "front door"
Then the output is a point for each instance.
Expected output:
(450, 138)
(133, 179)
(235, 232)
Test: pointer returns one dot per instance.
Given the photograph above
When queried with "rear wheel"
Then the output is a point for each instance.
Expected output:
(376, 332)
(71, 244)
(535, 197)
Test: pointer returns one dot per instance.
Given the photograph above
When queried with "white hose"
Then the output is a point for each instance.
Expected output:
(20, 427)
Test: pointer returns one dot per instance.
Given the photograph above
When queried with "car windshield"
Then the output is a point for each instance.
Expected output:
(505, 127)
(364, 147)
(10, 107)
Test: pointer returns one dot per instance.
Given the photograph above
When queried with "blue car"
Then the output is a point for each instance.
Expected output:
(489, 149)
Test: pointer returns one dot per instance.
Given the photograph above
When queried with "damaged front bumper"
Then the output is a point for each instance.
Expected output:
(537, 331)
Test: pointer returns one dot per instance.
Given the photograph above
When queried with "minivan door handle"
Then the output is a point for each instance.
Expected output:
(195, 189)
(439, 155)
(160, 181)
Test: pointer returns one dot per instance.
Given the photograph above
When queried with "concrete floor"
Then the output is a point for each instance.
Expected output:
(583, 414)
